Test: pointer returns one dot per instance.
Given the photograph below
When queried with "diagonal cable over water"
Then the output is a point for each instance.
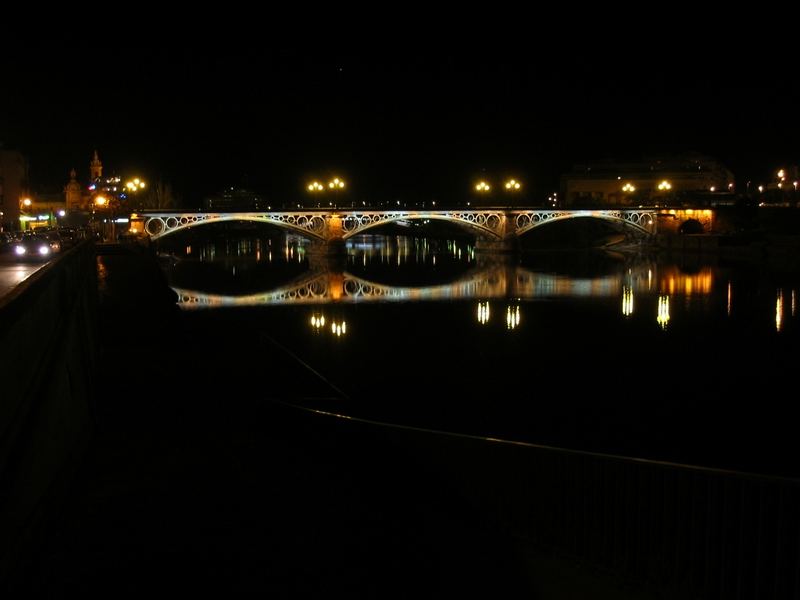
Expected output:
(340, 394)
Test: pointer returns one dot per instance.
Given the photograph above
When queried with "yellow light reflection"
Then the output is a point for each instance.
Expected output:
(317, 321)
(338, 329)
(483, 313)
(730, 298)
(663, 311)
(512, 317)
(673, 281)
(779, 311)
(627, 301)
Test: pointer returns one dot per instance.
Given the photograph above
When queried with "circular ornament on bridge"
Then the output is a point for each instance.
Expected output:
(154, 226)
(523, 220)
(493, 222)
(349, 223)
(317, 223)
(351, 288)
(302, 221)
(171, 223)
(317, 288)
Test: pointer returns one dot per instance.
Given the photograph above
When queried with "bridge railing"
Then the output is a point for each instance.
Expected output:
(689, 532)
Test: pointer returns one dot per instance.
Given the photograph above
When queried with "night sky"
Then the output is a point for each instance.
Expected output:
(398, 121)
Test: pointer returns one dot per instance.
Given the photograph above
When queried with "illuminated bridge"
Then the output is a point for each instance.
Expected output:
(495, 228)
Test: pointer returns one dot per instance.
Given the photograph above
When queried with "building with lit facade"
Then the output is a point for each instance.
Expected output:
(100, 193)
(658, 180)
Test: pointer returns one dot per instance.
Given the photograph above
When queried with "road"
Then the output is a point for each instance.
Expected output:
(12, 273)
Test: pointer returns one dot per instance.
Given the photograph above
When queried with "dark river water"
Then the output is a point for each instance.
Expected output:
(684, 358)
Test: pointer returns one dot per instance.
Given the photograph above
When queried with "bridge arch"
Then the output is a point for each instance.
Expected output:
(306, 224)
(643, 221)
(487, 223)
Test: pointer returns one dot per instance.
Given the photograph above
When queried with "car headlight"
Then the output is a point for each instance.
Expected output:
(44, 250)
(19, 250)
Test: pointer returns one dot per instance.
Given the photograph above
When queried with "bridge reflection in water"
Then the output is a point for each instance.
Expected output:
(503, 281)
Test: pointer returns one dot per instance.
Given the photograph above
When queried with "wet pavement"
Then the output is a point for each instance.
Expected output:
(13, 272)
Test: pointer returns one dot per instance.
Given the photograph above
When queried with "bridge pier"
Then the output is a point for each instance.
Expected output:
(509, 245)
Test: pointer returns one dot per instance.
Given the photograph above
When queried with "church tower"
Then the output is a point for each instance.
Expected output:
(95, 167)
(73, 192)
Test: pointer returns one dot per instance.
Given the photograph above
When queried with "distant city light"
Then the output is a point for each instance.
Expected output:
(482, 186)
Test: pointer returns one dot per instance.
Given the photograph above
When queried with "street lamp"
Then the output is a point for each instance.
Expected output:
(512, 186)
(133, 187)
(336, 185)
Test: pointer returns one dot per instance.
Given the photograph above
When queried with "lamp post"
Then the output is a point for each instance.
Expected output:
(100, 203)
(628, 190)
(512, 187)
(315, 187)
(482, 188)
(665, 186)
(134, 186)
(336, 185)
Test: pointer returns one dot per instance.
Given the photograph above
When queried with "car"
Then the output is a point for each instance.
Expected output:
(36, 245)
